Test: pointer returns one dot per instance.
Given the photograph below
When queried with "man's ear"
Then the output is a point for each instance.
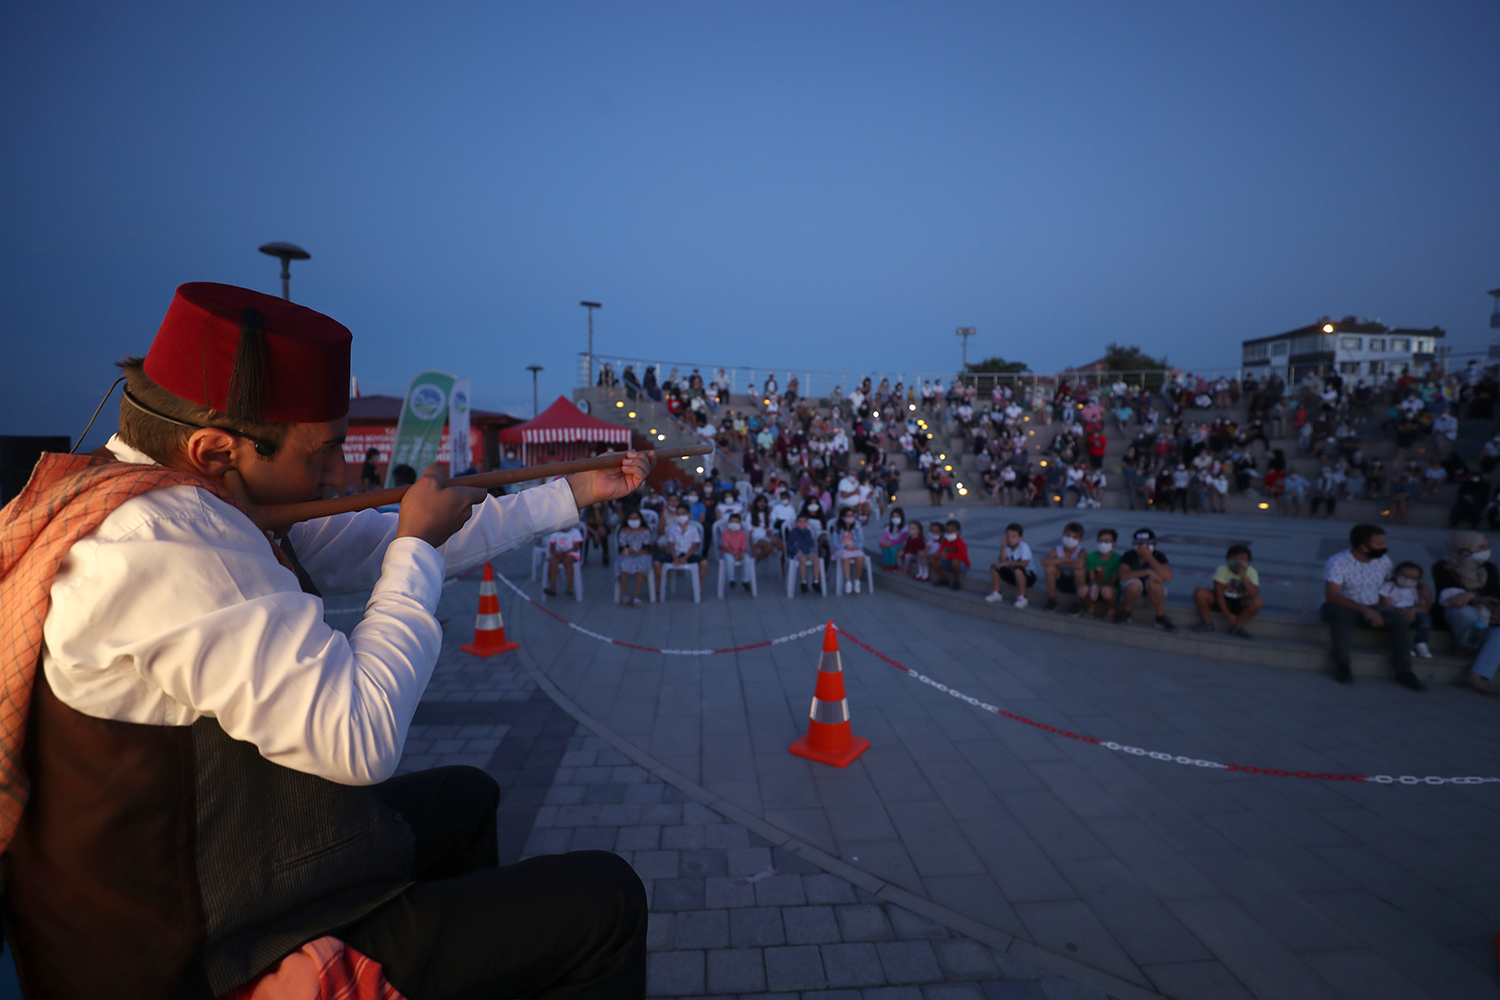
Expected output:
(211, 451)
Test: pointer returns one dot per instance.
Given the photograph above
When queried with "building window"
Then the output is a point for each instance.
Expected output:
(1377, 367)
(1348, 367)
(1424, 346)
(1401, 344)
(1279, 347)
(1349, 343)
(1377, 343)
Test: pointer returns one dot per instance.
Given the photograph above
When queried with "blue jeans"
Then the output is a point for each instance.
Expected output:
(1469, 633)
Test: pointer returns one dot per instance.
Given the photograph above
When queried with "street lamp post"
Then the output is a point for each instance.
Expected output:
(288, 252)
(591, 306)
(965, 332)
(534, 369)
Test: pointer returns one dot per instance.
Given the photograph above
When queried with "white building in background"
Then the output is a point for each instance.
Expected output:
(1352, 348)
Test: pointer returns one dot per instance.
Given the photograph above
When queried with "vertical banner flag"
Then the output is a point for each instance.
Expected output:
(420, 428)
(460, 456)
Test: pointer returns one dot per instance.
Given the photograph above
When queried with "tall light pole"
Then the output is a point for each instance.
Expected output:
(591, 306)
(534, 369)
(965, 332)
(288, 252)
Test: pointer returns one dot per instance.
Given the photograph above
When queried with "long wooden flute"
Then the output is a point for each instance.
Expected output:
(282, 516)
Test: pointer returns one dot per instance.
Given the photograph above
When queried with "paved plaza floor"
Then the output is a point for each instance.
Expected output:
(1158, 876)
(967, 856)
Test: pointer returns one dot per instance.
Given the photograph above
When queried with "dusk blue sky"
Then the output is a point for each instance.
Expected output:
(804, 185)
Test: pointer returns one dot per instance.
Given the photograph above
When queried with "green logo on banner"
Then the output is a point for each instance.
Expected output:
(420, 429)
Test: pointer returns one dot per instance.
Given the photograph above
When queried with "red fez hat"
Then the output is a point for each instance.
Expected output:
(251, 356)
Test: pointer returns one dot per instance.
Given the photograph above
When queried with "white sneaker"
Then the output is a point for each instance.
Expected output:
(848, 587)
(993, 596)
(856, 585)
(1422, 650)
(1021, 602)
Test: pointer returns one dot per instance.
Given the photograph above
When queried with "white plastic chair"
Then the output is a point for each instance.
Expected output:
(747, 566)
(691, 569)
(838, 575)
(576, 582)
(650, 587)
(791, 575)
(538, 560)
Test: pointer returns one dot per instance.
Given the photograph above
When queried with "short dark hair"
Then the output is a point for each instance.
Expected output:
(163, 439)
(1407, 565)
(1016, 528)
(1073, 528)
(1361, 534)
(403, 475)
(1114, 535)
(1238, 549)
(955, 526)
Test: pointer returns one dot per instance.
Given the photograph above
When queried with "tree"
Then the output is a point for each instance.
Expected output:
(1119, 358)
(996, 366)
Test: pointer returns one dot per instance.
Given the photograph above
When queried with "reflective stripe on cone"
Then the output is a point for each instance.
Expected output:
(830, 738)
(489, 628)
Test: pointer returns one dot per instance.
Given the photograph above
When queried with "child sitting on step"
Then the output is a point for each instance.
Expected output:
(1405, 590)
(913, 549)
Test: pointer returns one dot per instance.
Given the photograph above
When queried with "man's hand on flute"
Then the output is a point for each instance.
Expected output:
(603, 485)
(434, 512)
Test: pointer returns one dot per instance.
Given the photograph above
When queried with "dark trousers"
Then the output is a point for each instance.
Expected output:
(1341, 622)
(554, 927)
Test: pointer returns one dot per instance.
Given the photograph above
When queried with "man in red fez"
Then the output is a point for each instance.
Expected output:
(195, 769)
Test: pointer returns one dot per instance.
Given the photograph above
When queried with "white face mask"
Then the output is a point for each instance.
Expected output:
(1480, 556)
(734, 526)
(1406, 582)
(812, 506)
(682, 519)
(1069, 542)
(895, 522)
(1106, 547)
(692, 498)
(634, 522)
(952, 536)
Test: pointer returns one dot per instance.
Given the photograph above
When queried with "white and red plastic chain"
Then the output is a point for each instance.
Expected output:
(1378, 779)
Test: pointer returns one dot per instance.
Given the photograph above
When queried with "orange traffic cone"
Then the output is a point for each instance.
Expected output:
(829, 738)
(489, 630)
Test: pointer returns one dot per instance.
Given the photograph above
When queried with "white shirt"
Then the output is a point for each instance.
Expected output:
(176, 608)
(558, 541)
(1358, 581)
(848, 491)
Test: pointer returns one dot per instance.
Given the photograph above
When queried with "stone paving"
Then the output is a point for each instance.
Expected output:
(732, 913)
(1193, 883)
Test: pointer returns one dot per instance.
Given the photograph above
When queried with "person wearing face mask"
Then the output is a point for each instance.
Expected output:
(635, 556)
(1406, 591)
(783, 512)
(849, 549)
(1101, 570)
(1063, 568)
(893, 540)
(952, 557)
(681, 542)
(1235, 592)
(734, 542)
(1351, 596)
(1468, 602)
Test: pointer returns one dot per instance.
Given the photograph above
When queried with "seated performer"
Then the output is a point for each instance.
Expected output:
(196, 770)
